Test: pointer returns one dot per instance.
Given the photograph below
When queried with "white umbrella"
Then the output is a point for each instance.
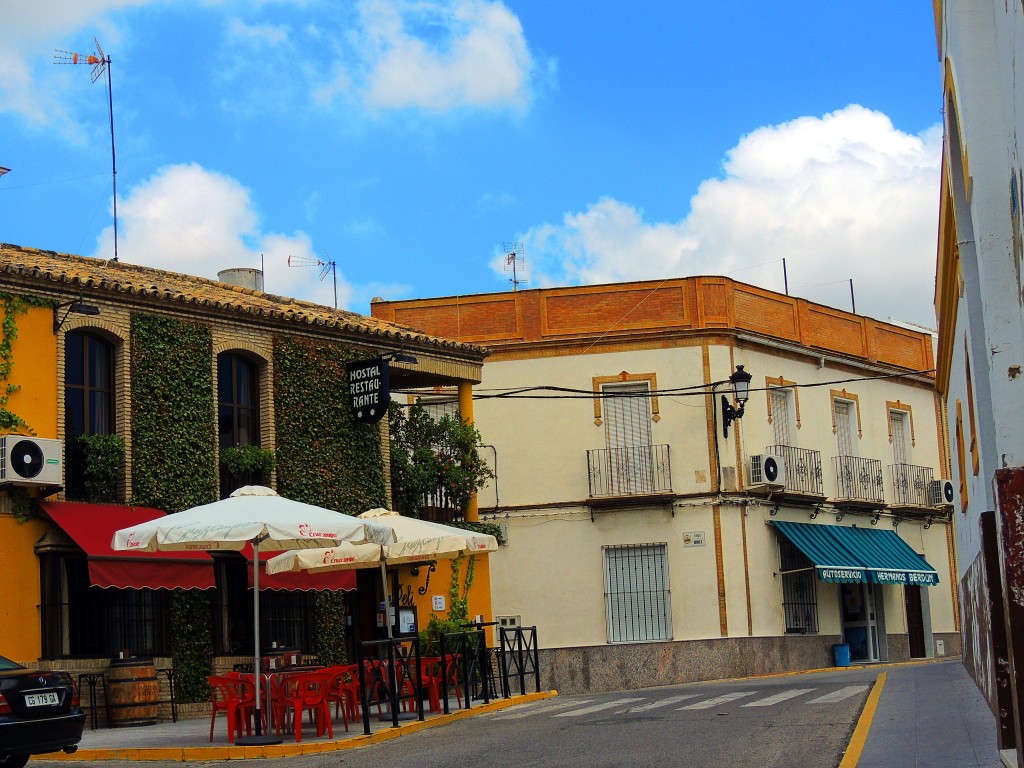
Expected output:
(414, 541)
(252, 515)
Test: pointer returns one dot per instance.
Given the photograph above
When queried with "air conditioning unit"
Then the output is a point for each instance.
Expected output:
(942, 493)
(30, 460)
(767, 469)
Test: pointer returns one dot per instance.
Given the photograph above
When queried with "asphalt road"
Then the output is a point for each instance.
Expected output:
(790, 721)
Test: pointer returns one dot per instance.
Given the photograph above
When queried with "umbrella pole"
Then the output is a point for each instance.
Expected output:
(387, 598)
(259, 737)
(256, 629)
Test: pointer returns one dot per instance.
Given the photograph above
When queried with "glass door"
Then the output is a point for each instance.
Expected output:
(860, 621)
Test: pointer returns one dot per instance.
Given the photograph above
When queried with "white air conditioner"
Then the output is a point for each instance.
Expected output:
(30, 460)
(942, 493)
(767, 469)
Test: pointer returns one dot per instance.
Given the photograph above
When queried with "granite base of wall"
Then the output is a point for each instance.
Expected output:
(596, 669)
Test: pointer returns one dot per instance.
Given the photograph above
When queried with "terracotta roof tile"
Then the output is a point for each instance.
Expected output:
(133, 279)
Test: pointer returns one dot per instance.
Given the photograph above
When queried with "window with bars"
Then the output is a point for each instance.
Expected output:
(637, 594)
(441, 405)
(799, 602)
(80, 620)
(627, 421)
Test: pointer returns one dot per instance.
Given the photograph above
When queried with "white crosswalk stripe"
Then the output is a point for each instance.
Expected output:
(662, 703)
(842, 693)
(723, 699)
(529, 711)
(767, 701)
(598, 707)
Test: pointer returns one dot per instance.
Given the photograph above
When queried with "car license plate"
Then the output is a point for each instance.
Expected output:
(41, 699)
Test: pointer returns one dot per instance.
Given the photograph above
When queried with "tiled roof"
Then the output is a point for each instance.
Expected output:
(100, 275)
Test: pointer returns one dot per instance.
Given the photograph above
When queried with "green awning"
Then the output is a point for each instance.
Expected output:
(849, 554)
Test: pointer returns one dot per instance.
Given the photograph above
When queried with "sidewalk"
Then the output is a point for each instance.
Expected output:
(931, 715)
(189, 740)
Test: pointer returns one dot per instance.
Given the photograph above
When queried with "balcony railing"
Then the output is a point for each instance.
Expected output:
(912, 485)
(634, 471)
(859, 479)
(803, 468)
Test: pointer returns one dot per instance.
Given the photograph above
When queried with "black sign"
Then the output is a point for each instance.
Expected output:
(369, 389)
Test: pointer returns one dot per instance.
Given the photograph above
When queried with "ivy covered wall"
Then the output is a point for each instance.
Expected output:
(173, 462)
(323, 456)
(173, 428)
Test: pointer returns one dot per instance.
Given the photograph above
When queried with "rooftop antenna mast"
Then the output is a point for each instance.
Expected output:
(514, 261)
(100, 63)
(325, 267)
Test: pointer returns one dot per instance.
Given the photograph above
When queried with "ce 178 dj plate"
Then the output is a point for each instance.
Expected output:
(41, 699)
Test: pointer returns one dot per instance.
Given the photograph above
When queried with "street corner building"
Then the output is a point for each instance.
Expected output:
(132, 392)
(702, 479)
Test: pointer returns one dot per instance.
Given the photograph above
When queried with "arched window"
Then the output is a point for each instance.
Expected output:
(238, 411)
(88, 400)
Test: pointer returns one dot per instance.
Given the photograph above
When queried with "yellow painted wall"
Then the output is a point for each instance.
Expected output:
(34, 354)
(440, 584)
(35, 370)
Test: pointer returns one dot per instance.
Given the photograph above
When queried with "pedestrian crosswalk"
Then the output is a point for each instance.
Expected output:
(686, 702)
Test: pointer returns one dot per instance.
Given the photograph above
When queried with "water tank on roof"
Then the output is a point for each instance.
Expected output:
(243, 277)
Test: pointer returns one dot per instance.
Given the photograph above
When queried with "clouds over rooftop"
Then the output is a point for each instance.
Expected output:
(843, 196)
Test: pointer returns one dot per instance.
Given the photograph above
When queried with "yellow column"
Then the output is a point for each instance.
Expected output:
(466, 412)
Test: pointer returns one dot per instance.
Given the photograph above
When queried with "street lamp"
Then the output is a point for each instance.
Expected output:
(740, 381)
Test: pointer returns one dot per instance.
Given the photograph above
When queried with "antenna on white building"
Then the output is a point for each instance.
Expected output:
(514, 262)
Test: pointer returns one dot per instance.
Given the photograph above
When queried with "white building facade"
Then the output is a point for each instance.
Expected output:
(646, 545)
(980, 355)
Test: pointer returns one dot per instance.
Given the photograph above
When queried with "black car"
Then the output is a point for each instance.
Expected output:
(39, 713)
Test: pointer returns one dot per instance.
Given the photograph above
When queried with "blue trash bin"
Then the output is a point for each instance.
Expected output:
(841, 654)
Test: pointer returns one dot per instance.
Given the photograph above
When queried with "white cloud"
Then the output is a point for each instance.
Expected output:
(192, 220)
(478, 59)
(845, 196)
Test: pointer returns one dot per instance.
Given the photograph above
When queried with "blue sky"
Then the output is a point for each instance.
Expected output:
(408, 141)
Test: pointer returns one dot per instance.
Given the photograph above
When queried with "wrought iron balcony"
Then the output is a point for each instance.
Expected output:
(912, 485)
(636, 471)
(802, 468)
(859, 479)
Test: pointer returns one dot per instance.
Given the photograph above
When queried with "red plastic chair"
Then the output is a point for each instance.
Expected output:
(236, 698)
(339, 691)
(301, 693)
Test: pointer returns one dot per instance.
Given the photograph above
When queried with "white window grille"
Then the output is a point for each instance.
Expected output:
(780, 415)
(439, 406)
(844, 427)
(637, 594)
(898, 430)
(627, 419)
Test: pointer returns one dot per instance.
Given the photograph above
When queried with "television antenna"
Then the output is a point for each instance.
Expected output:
(100, 63)
(514, 262)
(325, 267)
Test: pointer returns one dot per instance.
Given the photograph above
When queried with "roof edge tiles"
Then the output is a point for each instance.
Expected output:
(99, 276)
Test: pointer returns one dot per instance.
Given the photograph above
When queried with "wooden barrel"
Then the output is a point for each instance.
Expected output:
(133, 692)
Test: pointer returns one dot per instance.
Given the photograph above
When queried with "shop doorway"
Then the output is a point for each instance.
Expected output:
(915, 622)
(863, 623)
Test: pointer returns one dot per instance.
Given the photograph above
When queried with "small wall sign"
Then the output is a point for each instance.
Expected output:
(369, 389)
(693, 539)
(437, 602)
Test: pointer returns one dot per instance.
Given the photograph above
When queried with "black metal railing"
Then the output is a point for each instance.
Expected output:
(518, 660)
(911, 484)
(859, 479)
(803, 468)
(634, 471)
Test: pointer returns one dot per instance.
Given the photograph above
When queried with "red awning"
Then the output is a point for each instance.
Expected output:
(92, 527)
(304, 581)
